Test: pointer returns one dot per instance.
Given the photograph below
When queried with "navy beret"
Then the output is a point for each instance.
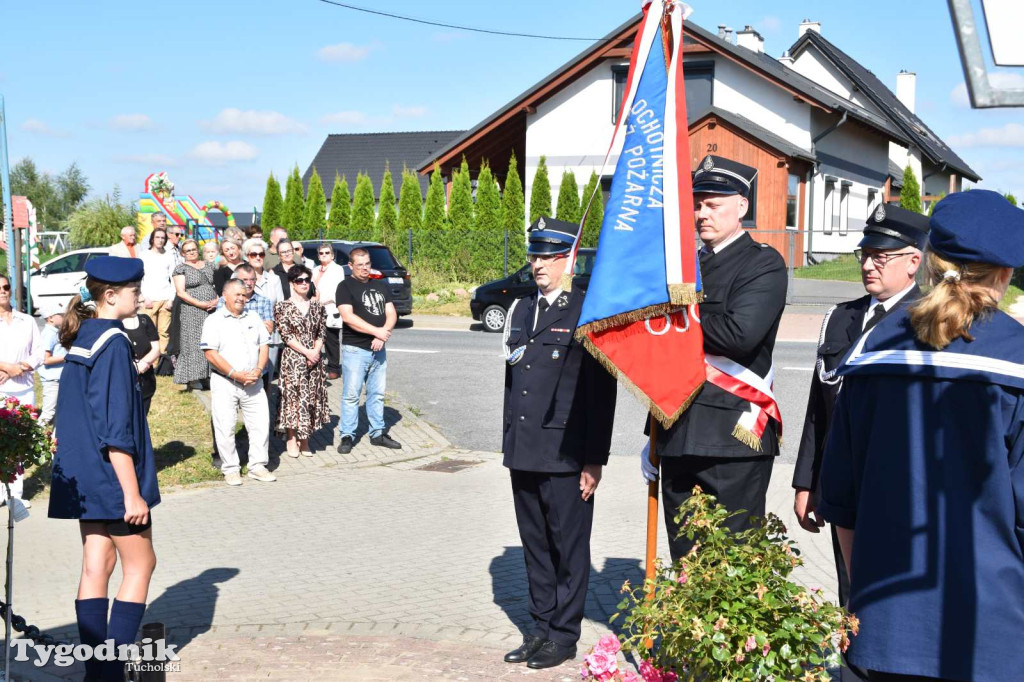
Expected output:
(979, 226)
(114, 270)
(548, 236)
(719, 175)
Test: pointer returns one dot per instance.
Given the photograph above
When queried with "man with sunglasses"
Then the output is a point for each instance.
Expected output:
(556, 437)
(268, 285)
(889, 254)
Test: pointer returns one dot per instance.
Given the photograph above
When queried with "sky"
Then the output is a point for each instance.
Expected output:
(221, 93)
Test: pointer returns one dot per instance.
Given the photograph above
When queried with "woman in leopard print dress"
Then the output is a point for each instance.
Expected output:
(302, 407)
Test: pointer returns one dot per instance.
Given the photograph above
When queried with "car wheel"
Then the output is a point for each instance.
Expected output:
(493, 318)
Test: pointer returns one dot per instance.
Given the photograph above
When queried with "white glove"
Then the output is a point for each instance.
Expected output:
(649, 471)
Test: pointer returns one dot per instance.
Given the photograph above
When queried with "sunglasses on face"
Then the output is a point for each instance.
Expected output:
(302, 280)
(256, 254)
(5, 287)
(325, 253)
(189, 251)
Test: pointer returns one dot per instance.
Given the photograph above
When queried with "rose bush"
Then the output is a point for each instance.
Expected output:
(24, 440)
(728, 610)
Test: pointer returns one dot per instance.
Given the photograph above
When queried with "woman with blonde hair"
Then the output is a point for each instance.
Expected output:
(923, 474)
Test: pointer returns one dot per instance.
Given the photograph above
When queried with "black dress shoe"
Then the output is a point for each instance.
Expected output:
(386, 441)
(528, 648)
(550, 654)
(345, 446)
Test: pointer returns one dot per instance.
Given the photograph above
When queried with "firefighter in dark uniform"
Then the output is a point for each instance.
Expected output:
(744, 296)
(559, 408)
(890, 255)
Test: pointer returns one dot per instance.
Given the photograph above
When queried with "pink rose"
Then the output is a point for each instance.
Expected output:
(649, 672)
(751, 643)
(608, 644)
(765, 649)
(584, 673)
(630, 676)
(601, 662)
(669, 676)
(683, 577)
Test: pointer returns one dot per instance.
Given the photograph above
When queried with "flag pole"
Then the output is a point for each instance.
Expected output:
(652, 487)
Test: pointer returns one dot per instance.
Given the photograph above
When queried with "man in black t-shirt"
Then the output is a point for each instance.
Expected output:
(368, 315)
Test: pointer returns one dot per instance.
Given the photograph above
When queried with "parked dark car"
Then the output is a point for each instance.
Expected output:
(491, 301)
(383, 263)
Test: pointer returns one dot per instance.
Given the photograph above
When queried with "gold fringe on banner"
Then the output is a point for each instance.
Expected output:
(665, 419)
(684, 294)
(566, 282)
(624, 319)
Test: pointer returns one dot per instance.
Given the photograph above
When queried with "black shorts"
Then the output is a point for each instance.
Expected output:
(121, 528)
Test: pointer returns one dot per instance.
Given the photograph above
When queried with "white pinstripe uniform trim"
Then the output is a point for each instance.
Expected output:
(97, 344)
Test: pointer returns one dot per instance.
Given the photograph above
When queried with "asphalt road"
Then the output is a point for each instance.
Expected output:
(454, 379)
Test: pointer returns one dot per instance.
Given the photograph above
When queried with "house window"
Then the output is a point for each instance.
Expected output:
(830, 192)
(750, 219)
(872, 199)
(619, 73)
(844, 208)
(792, 196)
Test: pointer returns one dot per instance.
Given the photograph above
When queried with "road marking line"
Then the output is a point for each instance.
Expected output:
(411, 350)
(799, 369)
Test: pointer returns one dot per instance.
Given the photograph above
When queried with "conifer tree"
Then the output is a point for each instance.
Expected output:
(363, 213)
(910, 194)
(568, 199)
(294, 203)
(387, 212)
(410, 206)
(341, 209)
(489, 248)
(513, 216)
(433, 234)
(273, 205)
(540, 192)
(460, 219)
(592, 224)
(315, 222)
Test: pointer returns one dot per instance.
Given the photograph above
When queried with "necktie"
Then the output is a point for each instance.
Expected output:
(706, 254)
(542, 307)
(876, 317)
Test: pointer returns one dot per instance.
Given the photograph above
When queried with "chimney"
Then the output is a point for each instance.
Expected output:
(786, 59)
(906, 87)
(728, 35)
(721, 30)
(808, 25)
(750, 39)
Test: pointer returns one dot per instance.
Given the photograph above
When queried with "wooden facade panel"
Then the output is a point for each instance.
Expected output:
(712, 136)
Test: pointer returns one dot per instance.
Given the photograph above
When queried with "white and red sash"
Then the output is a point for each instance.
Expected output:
(734, 378)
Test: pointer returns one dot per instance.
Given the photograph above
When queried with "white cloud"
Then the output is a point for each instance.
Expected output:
(769, 24)
(343, 52)
(251, 122)
(1009, 135)
(998, 79)
(156, 160)
(345, 118)
(409, 112)
(132, 123)
(34, 125)
(216, 153)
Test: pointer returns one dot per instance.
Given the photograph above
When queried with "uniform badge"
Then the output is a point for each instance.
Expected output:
(708, 164)
(880, 213)
(540, 223)
(562, 301)
(555, 354)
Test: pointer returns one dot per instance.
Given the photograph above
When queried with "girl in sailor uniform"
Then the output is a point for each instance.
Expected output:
(104, 472)
(923, 474)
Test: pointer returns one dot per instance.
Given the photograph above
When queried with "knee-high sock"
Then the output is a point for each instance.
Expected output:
(125, 618)
(92, 630)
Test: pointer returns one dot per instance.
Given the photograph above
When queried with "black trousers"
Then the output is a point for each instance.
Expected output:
(332, 343)
(554, 526)
(875, 676)
(737, 483)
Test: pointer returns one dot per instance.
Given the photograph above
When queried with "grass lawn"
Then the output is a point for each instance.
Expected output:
(180, 430)
(844, 269)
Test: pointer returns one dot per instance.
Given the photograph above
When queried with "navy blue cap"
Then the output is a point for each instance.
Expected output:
(979, 226)
(892, 227)
(718, 175)
(114, 270)
(548, 236)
